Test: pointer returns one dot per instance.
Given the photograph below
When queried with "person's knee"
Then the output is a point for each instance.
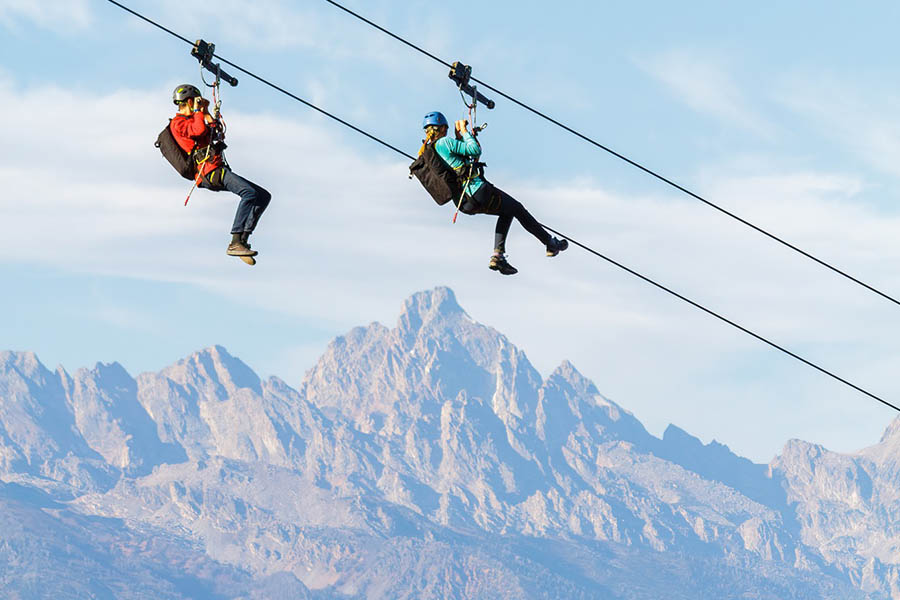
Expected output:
(512, 207)
(263, 197)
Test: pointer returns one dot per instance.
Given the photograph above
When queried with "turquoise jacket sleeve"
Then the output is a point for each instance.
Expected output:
(455, 152)
(458, 153)
(466, 147)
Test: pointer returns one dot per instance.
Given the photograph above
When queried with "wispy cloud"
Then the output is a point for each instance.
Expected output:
(264, 24)
(59, 15)
(269, 25)
(348, 235)
(866, 123)
(706, 84)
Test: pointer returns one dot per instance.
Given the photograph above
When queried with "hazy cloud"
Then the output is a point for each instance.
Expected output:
(348, 236)
(705, 83)
(866, 123)
(269, 25)
(59, 15)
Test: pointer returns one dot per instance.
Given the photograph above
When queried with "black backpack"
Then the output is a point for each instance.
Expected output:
(173, 153)
(436, 176)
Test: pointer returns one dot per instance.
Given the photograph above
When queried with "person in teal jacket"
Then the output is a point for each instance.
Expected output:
(480, 196)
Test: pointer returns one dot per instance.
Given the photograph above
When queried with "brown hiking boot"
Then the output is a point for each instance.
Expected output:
(239, 249)
(498, 263)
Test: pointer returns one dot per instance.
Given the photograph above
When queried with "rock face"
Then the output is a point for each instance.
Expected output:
(848, 507)
(50, 551)
(39, 440)
(107, 413)
(428, 460)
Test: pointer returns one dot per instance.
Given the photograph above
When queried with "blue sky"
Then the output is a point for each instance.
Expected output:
(783, 113)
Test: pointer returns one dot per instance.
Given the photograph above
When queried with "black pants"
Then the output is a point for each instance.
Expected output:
(489, 200)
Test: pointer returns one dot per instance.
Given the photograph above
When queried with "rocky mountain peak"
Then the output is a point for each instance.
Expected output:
(111, 371)
(378, 375)
(578, 383)
(579, 390)
(800, 452)
(892, 432)
(430, 310)
(25, 363)
(104, 402)
(430, 303)
(886, 453)
(416, 457)
(38, 433)
(215, 371)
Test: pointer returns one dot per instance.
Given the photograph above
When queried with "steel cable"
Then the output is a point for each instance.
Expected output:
(579, 244)
(626, 159)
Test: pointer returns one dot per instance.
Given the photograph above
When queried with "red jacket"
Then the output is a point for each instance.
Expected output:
(193, 130)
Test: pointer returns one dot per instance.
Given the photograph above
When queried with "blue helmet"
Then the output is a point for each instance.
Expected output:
(434, 118)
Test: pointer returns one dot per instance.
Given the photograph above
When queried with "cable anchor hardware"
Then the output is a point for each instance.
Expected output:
(461, 74)
(205, 52)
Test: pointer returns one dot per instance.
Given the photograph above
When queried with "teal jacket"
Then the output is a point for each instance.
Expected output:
(458, 153)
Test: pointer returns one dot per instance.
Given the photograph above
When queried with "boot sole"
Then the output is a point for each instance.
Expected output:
(499, 270)
(556, 253)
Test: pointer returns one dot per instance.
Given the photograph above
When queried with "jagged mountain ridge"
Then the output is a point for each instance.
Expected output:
(437, 439)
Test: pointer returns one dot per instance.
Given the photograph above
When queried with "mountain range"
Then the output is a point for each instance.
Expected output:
(427, 460)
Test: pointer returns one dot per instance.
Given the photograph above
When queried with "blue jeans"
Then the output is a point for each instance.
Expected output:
(254, 201)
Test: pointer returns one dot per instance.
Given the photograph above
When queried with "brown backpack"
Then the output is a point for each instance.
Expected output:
(179, 159)
(437, 177)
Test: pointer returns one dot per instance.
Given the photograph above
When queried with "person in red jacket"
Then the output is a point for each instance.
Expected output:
(194, 129)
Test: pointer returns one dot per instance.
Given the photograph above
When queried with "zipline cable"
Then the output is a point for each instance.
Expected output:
(631, 162)
(579, 244)
(721, 318)
(268, 83)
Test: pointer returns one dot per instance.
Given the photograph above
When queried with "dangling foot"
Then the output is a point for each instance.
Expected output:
(239, 249)
(245, 240)
(556, 245)
(239, 246)
(498, 263)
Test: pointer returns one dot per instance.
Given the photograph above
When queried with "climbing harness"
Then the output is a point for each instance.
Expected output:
(204, 52)
(442, 182)
(462, 74)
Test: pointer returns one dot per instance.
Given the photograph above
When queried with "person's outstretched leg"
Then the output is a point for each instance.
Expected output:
(254, 200)
(259, 207)
(263, 197)
(510, 207)
(494, 201)
(498, 258)
(243, 188)
(501, 231)
(486, 201)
